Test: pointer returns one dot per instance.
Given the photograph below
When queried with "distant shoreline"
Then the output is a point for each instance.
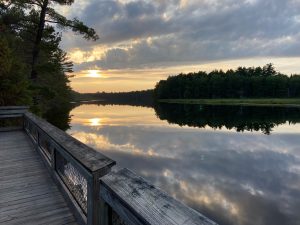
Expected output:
(87, 101)
(293, 102)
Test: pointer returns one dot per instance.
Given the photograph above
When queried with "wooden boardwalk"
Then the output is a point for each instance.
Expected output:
(28, 194)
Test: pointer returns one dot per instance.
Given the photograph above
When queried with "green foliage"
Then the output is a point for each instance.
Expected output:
(13, 80)
(137, 98)
(75, 25)
(34, 44)
(240, 83)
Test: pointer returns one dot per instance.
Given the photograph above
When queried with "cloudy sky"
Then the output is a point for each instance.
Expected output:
(143, 41)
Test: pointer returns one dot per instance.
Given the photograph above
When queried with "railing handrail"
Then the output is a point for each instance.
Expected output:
(88, 162)
(138, 202)
(91, 159)
(13, 107)
(12, 111)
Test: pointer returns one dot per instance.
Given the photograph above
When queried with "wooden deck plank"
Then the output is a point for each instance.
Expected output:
(37, 201)
(18, 202)
(27, 193)
(24, 179)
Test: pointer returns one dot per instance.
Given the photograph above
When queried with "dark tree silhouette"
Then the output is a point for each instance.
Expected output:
(240, 83)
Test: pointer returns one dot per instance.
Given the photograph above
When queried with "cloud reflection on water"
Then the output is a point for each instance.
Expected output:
(233, 178)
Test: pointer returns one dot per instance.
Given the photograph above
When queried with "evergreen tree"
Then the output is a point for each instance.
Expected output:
(34, 48)
(14, 83)
(243, 82)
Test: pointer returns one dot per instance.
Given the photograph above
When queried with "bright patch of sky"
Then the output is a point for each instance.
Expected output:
(174, 36)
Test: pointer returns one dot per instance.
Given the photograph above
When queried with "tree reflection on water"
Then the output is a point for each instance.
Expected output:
(240, 118)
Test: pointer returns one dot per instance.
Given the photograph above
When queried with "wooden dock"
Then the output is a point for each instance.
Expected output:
(49, 177)
(28, 195)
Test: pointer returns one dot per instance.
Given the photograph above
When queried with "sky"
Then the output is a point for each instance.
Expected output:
(144, 41)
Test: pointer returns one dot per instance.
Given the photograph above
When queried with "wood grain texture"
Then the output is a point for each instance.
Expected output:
(137, 202)
(91, 159)
(13, 107)
(28, 195)
(12, 111)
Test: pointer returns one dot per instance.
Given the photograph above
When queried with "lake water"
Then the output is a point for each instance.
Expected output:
(236, 165)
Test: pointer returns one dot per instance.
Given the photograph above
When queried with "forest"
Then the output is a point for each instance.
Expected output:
(34, 70)
(252, 82)
(136, 98)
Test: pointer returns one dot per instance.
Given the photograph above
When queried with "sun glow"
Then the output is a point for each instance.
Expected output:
(95, 122)
(94, 73)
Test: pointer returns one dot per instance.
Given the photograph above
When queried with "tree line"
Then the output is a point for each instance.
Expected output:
(136, 98)
(252, 82)
(34, 70)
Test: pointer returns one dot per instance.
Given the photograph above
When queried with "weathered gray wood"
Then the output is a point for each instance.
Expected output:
(91, 159)
(13, 107)
(138, 202)
(105, 213)
(90, 163)
(39, 216)
(27, 193)
(8, 112)
(14, 128)
(28, 204)
(12, 111)
(19, 202)
(93, 203)
(4, 116)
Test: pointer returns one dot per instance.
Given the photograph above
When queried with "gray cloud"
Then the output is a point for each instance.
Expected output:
(197, 32)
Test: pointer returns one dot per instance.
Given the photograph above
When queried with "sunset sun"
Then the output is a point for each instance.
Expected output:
(94, 73)
(95, 122)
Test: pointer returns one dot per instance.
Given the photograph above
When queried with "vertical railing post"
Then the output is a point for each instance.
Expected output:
(105, 212)
(53, 160)
(93, 206)
(98, 211)
(24, 119)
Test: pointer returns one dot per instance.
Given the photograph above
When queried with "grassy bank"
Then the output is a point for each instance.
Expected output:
(249, 102)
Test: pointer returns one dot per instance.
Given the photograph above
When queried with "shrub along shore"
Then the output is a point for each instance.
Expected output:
(292, 102)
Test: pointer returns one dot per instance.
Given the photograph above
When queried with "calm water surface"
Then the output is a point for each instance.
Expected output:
(248, 177)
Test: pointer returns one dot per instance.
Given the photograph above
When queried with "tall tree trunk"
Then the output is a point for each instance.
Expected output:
(39, 35)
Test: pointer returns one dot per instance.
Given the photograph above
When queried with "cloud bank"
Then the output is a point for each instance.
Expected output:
(140, 33)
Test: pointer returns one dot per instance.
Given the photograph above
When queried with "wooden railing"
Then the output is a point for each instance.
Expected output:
(137, 202)
(97, 195)
(9, 113)
(75, 167)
